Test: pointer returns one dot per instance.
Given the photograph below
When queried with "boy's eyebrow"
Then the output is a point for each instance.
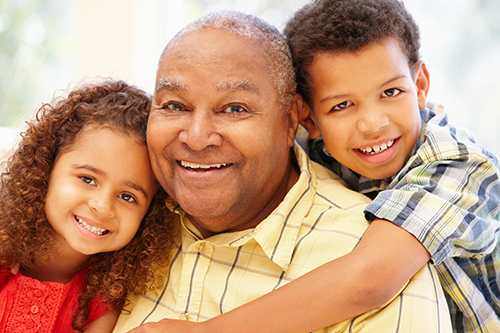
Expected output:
(346, 95)
(102, 173)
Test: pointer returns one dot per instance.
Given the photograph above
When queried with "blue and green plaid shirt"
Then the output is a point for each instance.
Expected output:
(447, 195)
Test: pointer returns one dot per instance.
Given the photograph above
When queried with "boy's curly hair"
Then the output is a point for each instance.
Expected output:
(347, 26)
(26, 237)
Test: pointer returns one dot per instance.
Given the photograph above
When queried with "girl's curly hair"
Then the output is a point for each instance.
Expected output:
(26, 237)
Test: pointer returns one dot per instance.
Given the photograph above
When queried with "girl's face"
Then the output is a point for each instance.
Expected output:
(99, 191)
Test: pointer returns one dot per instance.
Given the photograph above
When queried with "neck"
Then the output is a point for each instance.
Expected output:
(61, 267)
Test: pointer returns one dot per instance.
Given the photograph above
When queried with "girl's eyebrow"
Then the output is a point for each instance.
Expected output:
(102, 173)
(402, 76)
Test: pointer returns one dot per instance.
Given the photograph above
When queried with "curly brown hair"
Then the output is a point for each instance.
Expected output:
(26, 237)
(347, 26)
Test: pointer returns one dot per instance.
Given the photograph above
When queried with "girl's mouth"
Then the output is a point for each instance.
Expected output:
(90, 228)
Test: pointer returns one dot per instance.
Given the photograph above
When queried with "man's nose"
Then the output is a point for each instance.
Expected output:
(201, 130)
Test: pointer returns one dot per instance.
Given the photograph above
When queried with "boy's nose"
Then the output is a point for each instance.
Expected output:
(372, 120)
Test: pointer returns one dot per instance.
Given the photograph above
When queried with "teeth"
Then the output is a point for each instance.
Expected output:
(92, 229)
(201, 166)
(377, 149)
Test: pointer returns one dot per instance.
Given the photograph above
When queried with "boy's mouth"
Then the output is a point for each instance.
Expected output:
(377, 148)
(90, 228)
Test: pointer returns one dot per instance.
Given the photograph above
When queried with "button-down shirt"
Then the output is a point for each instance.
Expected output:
(447, 195)
(318, 220)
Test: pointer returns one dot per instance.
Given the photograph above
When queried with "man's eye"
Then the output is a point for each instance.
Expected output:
(88, 180)
(391, 92)
(342, 106)
(128, 197)
(234, 109)
(174, 107)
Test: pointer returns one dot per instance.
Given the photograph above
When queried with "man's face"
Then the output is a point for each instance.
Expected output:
(366, 107)
(218, 141)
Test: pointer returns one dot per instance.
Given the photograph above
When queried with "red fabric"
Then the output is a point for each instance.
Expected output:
(28, 305)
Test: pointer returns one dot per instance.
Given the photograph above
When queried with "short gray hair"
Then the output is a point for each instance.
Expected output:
(260, 32)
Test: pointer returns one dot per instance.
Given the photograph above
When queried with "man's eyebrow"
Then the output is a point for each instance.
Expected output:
(234, 86)
(170, 85)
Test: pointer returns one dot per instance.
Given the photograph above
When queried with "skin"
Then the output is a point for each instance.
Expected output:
(218, 142)
(104, 179)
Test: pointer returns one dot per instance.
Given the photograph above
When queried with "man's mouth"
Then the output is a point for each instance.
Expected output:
(377, 148)
(88, 227)
(202, 167)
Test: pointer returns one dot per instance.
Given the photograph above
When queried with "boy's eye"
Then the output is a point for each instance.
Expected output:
(127, 197)
(87, 180)
(391, 92)
(342, 106)
(234, 109)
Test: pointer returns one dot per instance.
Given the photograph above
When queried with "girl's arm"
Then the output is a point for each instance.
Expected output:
(104, 324)
(369, 276)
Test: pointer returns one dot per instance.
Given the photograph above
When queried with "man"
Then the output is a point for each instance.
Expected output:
(255, 212)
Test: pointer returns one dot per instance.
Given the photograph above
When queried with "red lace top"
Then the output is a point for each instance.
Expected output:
(28, 305)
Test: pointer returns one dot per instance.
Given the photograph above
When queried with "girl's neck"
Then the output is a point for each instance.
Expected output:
(62, 266)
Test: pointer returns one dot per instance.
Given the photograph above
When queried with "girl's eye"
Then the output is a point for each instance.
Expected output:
(87, 180)
(127, 197)
(342, 106)
(391, 92)
(234, 109)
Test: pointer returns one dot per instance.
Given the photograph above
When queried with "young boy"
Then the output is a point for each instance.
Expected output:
(364, 86)
(359, 72)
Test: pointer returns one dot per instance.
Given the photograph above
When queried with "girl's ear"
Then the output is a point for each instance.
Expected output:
(306, 119)
(422, 82)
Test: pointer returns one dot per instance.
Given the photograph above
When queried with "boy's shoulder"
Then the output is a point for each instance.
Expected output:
(439, 140)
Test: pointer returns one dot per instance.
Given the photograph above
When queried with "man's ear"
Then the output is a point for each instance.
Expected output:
(306, 119)
(422, 82)
(293, 118)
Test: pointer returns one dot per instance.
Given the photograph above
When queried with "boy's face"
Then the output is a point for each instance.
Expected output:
(366, 107)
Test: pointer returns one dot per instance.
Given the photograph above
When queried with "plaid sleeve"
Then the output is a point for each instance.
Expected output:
(447, 195)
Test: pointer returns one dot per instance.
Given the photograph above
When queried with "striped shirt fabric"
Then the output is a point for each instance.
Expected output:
(447, 195)
(319, 220)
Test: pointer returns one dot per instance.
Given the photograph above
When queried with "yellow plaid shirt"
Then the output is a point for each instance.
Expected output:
(319, 220)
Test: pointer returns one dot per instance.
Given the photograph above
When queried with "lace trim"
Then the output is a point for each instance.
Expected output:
(36, 306)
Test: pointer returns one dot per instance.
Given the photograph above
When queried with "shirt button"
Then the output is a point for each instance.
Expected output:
(37, 293)
(34, 309)
(201, 247)
(184, 316)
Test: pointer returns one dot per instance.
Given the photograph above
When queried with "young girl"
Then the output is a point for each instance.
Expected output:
(74, 194)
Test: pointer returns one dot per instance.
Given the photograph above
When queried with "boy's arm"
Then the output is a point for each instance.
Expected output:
(369, 276)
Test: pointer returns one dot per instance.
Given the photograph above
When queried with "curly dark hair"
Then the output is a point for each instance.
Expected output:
(26, 237)
(347, 26)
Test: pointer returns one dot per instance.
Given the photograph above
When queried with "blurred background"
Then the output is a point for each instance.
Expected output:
(48, 46)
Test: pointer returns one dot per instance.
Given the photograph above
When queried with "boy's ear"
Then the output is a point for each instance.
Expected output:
(306, 119)
(422, 82)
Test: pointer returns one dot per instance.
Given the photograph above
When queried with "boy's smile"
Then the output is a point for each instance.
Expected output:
(366, 107)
